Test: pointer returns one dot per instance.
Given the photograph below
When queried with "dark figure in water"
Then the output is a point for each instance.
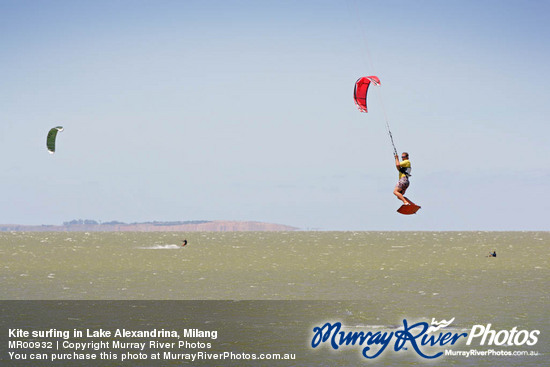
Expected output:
(185, 243)
(493, 254)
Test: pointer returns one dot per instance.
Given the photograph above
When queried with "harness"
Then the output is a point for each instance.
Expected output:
(406, 171)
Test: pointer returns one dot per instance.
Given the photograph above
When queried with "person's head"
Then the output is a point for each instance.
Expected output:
(405, 155)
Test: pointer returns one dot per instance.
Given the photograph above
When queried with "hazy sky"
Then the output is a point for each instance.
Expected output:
(243, 110)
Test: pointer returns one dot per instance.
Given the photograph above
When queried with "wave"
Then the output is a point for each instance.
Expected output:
(160, 247)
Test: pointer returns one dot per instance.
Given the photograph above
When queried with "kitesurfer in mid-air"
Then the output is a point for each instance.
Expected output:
(404, 168)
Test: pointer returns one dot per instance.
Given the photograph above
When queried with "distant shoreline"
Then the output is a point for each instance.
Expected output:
(173, 226)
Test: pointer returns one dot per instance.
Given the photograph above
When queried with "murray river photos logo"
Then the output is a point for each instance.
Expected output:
(424, 339)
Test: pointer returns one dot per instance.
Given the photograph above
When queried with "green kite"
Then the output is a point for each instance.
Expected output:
(50, 140)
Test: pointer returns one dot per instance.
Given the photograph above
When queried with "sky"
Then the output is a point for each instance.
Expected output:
(243, 110)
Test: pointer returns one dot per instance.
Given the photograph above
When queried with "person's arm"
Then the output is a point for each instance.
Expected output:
(397, 163)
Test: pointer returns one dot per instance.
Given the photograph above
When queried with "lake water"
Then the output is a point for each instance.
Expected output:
(365, 280)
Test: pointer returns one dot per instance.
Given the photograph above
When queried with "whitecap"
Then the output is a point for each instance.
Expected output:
(160, 247)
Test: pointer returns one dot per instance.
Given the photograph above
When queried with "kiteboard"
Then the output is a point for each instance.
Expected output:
(408, 209)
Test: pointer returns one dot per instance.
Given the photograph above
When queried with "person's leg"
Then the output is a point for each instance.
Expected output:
(400, 189)
(397, 192)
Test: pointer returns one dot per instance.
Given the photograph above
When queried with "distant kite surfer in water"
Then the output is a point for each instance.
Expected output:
(404, 168)
(184, 243)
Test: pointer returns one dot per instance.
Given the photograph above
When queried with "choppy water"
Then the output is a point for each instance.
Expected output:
(383, 276)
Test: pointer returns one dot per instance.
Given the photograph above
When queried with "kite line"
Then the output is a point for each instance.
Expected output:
(355, 12)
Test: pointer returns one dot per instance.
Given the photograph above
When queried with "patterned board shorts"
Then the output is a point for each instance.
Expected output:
(403, 183)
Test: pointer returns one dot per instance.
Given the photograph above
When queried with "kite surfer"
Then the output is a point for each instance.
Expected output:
(404, 168)
(184, 243)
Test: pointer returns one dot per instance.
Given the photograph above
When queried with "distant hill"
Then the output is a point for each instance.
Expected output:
(182, 226)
